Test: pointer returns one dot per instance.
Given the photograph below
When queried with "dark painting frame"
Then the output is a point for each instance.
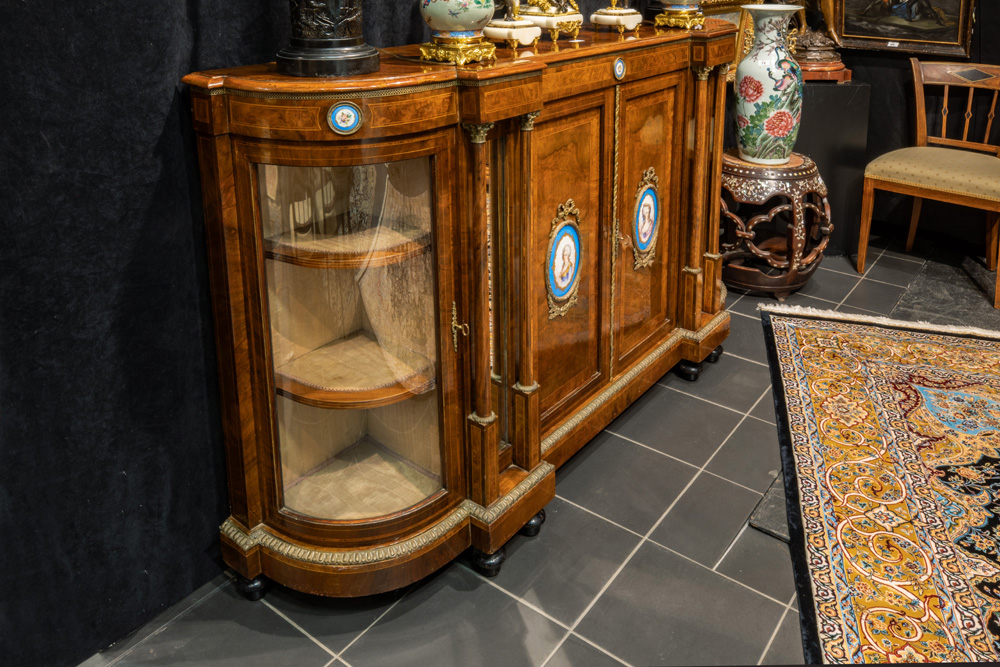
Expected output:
(930, 27)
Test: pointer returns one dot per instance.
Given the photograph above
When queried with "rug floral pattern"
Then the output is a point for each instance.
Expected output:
(895, 435)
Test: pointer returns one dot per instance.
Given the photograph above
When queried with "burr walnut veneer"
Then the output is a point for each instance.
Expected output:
(433, 284)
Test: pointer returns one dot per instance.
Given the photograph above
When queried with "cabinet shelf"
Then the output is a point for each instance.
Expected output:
(354, 372)
(376, 246)
(364, 481)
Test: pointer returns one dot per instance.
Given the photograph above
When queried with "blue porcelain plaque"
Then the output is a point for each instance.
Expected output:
(564, 261)
(619, 68)
(345, 118)
(647, 217)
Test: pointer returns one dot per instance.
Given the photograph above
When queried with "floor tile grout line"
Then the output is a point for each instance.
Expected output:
(541, 612)
(173, 618)
(736, 312)
(721, 574)
(724, 441)
(618, 571)
(729, 548)
(687, 463)
(726, 479)
(718, 405)
(372, 624)
(600, 648)
(530, 605)
(773, 635)
(652, 449)
(599, 516)
(747, 359)
(298, 627)
(851, 291)
(767, 391)
(638, 546)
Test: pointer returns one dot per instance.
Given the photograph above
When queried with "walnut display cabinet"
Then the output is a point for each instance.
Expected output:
(433, 284)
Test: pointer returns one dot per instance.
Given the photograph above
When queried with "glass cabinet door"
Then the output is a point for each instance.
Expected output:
(350, 288)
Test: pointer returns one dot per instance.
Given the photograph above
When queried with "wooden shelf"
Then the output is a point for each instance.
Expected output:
(354, 372)
(377, 246)
(364, 481)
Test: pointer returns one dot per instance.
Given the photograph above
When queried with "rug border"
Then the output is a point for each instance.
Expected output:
(808, 627)
(878, 320)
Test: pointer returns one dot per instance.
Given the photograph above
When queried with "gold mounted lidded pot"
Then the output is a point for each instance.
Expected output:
(512, 29)
(622, 18)
(457, 30)
(556, 16)
(684, 15)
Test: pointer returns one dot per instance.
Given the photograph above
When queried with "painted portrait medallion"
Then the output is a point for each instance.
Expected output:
(345, 118)
(563, 256)
(562, 272)
(647, 212)
(646, 221)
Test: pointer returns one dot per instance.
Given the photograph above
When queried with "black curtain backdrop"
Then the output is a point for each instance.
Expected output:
(112, 483)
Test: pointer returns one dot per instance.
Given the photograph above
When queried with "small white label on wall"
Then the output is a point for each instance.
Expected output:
(892, 44)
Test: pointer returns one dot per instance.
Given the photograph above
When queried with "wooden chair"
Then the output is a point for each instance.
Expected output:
(936, 168)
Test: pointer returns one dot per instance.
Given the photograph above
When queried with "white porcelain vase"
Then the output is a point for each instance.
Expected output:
(456, 19)
(768, 88)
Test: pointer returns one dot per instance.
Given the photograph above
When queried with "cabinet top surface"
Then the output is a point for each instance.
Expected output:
(401, 66)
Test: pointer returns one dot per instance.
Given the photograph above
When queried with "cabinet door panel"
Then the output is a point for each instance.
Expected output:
(566, 168)
(649, 158)
(360, 427)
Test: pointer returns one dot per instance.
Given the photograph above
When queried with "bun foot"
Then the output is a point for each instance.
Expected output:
(534, 525)
(251, 589)
(486, 564)
(714, 355)
(688, 370)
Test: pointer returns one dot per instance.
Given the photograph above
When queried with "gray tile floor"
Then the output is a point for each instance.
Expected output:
(646, 557)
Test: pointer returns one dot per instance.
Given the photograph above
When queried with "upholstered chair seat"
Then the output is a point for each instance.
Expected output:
(941, 169)
(953, 167)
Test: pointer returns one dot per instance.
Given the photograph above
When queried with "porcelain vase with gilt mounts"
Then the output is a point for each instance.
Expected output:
(457, 30)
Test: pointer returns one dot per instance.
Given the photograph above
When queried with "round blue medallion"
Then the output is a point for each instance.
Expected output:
(619, 68)
(647, 214)
(564, 261)
(345, 118)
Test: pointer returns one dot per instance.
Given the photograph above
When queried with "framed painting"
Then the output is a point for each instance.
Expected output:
(730, 11)
(933, 27)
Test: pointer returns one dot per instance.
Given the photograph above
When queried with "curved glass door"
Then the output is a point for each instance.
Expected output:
(350, 288)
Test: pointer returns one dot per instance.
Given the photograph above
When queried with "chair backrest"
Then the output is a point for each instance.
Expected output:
(973, 76)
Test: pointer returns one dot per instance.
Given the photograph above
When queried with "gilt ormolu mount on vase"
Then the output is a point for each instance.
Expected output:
(683, 15)
(326, 40)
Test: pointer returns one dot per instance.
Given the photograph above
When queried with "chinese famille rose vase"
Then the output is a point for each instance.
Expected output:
(768, 89)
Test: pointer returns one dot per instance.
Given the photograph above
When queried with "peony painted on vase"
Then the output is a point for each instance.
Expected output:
(768, 88)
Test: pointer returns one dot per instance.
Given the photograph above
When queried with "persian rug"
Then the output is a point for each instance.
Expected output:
(890, 435)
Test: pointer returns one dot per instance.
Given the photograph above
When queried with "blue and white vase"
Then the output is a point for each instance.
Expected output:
(768, 88)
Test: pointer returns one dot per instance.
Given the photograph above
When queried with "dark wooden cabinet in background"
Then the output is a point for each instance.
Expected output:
(432, 285)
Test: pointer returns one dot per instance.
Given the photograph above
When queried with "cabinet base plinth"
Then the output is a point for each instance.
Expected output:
(252, 589)
(486, 564)
(533, 526)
